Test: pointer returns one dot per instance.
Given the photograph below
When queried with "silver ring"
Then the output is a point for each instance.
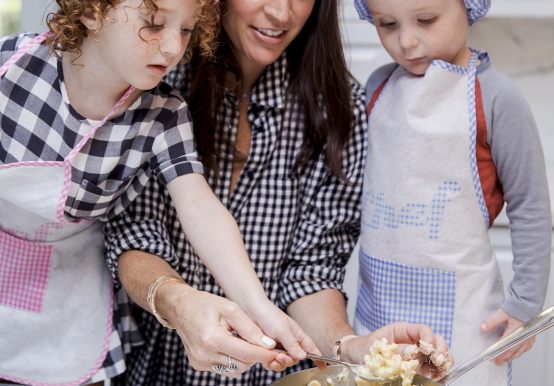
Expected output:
(230, 368)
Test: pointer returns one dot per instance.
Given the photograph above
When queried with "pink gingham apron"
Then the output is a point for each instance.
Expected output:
(55, 290)
(425, 255)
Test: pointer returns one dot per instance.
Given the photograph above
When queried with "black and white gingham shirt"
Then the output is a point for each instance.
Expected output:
(298, 229)
(153, 137)
(37, 123)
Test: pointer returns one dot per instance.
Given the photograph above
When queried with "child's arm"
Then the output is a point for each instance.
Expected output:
(519, 160)
(216, 238)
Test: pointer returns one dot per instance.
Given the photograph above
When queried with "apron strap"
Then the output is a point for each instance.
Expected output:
(23, 50)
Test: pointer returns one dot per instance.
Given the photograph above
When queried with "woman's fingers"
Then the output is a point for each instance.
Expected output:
(227, 366)
(209, 326)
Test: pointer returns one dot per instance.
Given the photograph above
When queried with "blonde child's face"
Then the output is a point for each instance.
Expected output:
(137, 46)
(414, 33)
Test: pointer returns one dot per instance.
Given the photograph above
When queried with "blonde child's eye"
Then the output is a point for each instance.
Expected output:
(387, 24)
(427, 20)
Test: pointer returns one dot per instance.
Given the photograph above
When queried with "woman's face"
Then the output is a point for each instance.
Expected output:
(261, 30)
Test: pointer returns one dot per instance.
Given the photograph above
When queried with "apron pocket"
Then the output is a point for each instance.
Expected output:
(392, 292)
(24, 268)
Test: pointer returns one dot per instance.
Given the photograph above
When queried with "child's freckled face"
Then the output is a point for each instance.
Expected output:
(414, 33)
(140, 46)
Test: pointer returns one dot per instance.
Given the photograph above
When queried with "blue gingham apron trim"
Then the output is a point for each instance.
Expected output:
(476, 9)
(391, 292)
(473, 138)
(470, 71)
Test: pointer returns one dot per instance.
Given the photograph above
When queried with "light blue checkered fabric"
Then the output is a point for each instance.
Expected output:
(473, 138)
(476, 9)
(391, 292)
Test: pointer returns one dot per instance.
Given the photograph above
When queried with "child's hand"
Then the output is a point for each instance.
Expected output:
(279, 326)
(499, 318)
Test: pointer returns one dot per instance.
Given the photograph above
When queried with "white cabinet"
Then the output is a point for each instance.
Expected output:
(519, 8)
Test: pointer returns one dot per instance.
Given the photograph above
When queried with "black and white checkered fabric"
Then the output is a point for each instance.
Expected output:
(37, 123)
(153, 137)
(299, 229)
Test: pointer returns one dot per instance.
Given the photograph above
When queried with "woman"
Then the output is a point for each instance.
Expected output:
(280, 126)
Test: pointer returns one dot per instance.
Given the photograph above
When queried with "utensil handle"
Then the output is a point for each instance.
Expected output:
(326, 359)
(538, 324)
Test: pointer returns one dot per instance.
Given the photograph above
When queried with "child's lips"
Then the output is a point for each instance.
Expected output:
(415, 60)
(157, 69)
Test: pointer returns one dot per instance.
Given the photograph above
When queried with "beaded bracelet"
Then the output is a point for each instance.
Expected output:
(151, 298)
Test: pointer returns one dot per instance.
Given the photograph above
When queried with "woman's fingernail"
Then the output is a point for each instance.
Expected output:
(266, 340)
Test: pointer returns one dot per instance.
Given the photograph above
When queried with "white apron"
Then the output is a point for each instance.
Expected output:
(55, 290)
(425, 255)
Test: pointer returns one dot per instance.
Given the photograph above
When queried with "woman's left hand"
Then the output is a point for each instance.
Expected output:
(498, 319)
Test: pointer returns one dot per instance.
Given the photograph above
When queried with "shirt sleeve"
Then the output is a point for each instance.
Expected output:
(142, 226)
(329, 219)
(519, 159)
(174, 147)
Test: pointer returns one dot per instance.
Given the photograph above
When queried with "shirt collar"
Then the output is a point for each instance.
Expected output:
(270, 89)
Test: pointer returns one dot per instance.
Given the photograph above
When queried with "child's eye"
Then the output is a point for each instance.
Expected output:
(150, 24)
(430, 20)
(387, 24)
(186, 31)
(154, 27)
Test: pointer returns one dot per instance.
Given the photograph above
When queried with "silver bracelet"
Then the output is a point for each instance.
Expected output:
(338, 343)
(151, 299)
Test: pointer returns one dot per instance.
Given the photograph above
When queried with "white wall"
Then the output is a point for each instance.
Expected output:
(33, 14)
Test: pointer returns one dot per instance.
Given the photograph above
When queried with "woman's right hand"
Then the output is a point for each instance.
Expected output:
(208, 326)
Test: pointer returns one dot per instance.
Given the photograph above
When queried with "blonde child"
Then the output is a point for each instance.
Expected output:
(450, 141)
(85, 122)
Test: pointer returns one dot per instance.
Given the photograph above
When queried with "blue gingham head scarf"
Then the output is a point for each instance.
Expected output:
(476, 9)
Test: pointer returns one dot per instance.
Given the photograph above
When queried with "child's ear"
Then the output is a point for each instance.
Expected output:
(91, 21)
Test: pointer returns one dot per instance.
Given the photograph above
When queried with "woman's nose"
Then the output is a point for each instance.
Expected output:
(279, 10)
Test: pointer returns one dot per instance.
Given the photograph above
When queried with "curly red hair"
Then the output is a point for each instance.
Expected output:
(68, 32)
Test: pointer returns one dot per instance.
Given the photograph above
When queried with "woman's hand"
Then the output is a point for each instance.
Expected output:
(208, 326)
(501, 319)
(403, 334)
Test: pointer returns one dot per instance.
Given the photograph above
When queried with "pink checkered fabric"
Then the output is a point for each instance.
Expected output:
(24, 270)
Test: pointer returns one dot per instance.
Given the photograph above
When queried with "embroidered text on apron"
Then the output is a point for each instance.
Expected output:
(55, 290)
(425, 256)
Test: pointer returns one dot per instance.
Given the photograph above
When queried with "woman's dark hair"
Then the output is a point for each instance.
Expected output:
(318, 75)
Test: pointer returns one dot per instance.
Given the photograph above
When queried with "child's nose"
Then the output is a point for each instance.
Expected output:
(408, 39)
(172, 43)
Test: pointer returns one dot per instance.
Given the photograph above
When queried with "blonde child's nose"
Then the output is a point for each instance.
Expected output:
(408, 39)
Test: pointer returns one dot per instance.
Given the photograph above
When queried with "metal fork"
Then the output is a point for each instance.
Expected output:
(356, 369)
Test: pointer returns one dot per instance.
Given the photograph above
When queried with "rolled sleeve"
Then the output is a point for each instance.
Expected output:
(141, 227)
(329, 221)
(174, 148)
